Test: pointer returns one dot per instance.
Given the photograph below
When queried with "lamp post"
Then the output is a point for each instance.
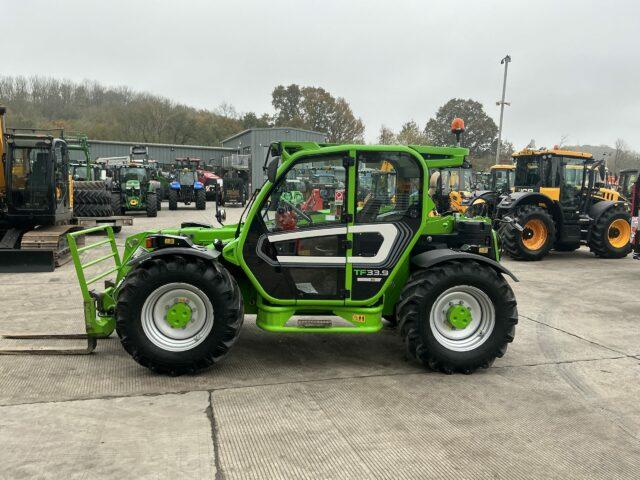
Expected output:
(505, 61)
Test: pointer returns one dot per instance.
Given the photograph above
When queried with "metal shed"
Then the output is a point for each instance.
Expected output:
(163, 153)
(255, 142)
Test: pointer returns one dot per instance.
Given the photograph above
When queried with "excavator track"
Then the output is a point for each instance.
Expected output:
(52, 238)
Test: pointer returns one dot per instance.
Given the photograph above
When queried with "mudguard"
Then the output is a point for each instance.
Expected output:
(174, 185)
(597, 209)
(440, 255)
(209, 255)
(198, 186)
(515, 199)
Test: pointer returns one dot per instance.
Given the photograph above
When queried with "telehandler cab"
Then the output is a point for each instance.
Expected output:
(558, 203)
(180, 295)
(451, 188)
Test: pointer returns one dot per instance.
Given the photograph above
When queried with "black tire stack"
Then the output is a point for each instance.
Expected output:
(91, 199)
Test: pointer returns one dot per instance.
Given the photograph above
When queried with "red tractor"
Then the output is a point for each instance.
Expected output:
(212, 183)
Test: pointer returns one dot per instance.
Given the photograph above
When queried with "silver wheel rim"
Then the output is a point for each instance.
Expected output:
(158, 330)
(476, 332)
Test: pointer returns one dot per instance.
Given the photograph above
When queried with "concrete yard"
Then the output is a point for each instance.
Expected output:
(562, 403)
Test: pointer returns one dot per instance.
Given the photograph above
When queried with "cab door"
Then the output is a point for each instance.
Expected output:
(388, 214)
(296, 246)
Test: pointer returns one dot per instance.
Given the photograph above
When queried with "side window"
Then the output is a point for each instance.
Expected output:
(311, 194)
(388, 187)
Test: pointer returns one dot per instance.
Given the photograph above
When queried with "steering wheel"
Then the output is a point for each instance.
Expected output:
(297, 210)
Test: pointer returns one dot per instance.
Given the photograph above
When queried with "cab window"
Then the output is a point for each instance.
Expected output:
(388, 187)
(311, 194)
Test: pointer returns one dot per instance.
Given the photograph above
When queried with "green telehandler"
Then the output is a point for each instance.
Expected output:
(179, 295)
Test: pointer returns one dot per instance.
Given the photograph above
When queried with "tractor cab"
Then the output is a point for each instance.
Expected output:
(36, 169)
(564, 175)
(626, 181)
(501, 178)
(559, 200)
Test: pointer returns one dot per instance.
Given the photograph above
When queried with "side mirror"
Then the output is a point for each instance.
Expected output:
(221, 215)
(272, 169)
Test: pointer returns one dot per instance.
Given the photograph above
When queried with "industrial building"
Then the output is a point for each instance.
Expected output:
(164, 153)
(245, 150)
(252, 145)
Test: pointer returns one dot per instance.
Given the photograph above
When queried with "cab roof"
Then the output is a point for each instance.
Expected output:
(527, 152)
(435, 157)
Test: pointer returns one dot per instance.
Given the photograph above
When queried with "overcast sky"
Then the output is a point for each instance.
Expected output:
(575, 68)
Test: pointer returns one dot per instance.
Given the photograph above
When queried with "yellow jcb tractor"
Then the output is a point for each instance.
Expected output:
(558, 203)
(483, 202)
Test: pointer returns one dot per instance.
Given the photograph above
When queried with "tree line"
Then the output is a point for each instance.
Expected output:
(119, 113)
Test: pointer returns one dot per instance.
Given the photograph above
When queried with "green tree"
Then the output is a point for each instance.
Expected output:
(316, 109)
(481, 131)
(286, 101)
(410, 134)
(251, 120)
(387, 136)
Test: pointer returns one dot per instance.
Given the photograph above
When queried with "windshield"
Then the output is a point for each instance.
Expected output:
(186, 178)
(457, 180)
(79, 173)
(133, 173)
(502, 180)
(573, 171)
(29, 185)
(527, 173)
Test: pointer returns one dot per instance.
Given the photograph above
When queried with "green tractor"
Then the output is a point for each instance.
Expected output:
(180, 295)
(134, 190)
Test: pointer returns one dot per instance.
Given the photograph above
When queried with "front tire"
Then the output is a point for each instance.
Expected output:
(201, 199)
(537, 238)
(611, 234)
(154, 339)
(173, 200)
(152, 204)
(457, 316)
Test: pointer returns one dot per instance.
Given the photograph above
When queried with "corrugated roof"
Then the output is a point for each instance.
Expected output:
(164, 145)
(239, 134)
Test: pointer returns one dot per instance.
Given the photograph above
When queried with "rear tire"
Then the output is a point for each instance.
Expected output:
(537, 239)
(151, 341)
(116, 204)
(89, 185)
(607, 233)
(433, 341)
(92, 210)
(152, 204)
(173, 200)
(201, 199)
